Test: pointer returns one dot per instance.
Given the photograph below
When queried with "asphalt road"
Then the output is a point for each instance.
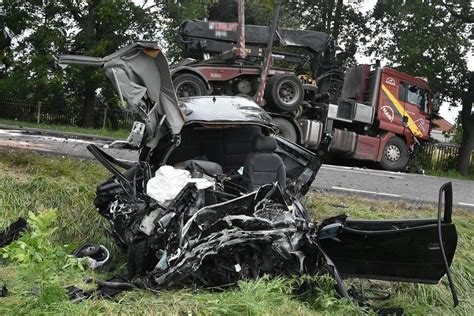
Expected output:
(380, 184)
(58, 144)
(376, 184)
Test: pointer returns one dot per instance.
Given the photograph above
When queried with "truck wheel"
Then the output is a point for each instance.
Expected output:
(286, 129)
(395, 155)
(284, 93)
(188, 85)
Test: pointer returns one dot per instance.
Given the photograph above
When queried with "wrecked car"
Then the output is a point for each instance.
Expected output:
(216, 196)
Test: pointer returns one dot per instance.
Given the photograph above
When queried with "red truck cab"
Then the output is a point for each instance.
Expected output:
(404, 105)
(381, 115)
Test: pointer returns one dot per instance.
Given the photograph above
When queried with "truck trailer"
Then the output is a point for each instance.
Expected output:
(374, 113)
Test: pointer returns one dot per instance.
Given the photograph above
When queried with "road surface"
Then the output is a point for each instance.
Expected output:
(382, 184)
(377, 184)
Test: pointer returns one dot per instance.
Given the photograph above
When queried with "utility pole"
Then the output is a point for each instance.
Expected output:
(267, 61)
(240, 49)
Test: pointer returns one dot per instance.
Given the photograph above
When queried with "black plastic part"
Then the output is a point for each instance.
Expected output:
(446, 191)
(13, 232)
(3, 291)
(109, 162)
(137, 259)
(93, 251)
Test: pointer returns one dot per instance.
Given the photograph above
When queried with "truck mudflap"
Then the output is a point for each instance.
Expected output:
(412, 250)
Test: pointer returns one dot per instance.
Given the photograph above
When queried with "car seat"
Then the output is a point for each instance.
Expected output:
(263, 165)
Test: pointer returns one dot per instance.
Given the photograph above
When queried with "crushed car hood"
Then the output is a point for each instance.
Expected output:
(141, 75)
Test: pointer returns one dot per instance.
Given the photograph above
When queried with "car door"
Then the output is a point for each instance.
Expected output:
(301, 164)
(395, 250)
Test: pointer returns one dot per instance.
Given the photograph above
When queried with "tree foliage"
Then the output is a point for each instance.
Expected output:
(341, 19)
(35, 32)
(430, 39)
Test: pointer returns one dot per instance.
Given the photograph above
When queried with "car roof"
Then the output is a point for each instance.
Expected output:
(224, 110)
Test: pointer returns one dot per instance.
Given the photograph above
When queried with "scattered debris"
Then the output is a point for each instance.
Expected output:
(3, 290)
(105, 289)
(97, 256)
(13, 231)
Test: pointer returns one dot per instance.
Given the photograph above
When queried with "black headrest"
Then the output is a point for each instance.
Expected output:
(264, 144)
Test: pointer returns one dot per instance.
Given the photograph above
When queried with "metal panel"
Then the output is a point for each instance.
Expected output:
(363, 113)
(343, 141)
(312, 131)
(332, 111)
(367, 148)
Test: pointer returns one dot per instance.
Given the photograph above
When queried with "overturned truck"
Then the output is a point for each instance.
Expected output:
(215, 195)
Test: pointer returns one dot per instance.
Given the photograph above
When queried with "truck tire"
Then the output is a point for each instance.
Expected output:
(284, 93)
(286, 129)
(395, 155)
(188, 85)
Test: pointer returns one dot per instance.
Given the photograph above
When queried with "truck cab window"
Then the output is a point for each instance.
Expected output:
(414, 95)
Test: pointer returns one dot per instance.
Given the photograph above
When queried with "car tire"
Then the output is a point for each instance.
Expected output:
(395, 155)
(284, 93)
(286, 128)
(189, 85)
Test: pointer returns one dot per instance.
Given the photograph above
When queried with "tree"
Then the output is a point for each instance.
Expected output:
(467, 121)
(103, 27)
(29, 68)
(176, 12)
(338, 18)
(42, 30)
(430, 39)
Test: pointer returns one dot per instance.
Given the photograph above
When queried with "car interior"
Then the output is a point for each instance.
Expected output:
(244, 155)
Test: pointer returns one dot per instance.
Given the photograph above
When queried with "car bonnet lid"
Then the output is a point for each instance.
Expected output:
(140, 73)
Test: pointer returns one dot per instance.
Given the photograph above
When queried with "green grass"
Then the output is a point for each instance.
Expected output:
(450, 174)
(32, 182)
(121, 133)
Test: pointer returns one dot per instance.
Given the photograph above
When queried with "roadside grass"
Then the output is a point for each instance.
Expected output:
(120, 133)
(33, 182)
(451, 174)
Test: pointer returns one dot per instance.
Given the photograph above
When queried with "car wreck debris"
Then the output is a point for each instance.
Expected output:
(232, 209)
(97, 256)
(13, 232)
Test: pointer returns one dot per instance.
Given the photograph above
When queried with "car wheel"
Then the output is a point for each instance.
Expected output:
(286, 129)
(395, 155)
(188, 85)
(284, 93)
